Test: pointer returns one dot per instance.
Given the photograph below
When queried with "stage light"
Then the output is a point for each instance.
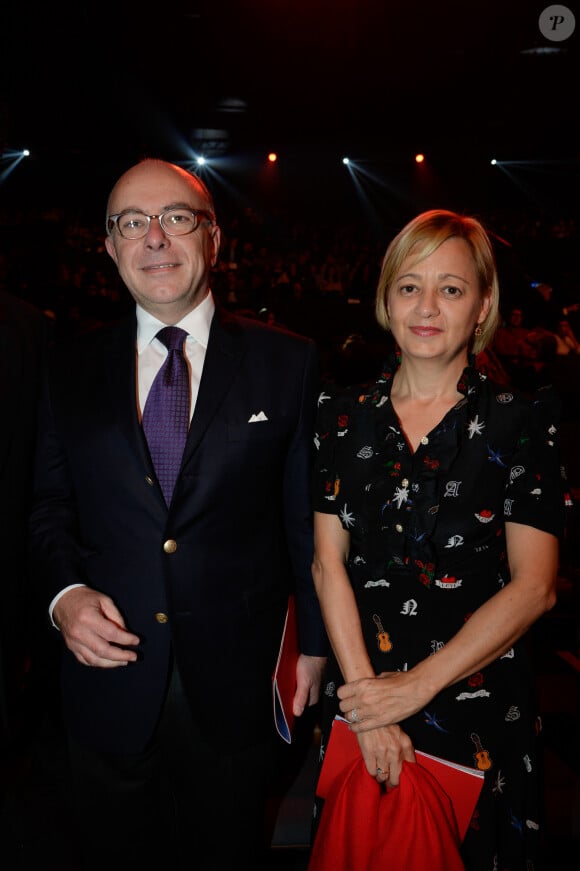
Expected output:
(493, 161)
(14, 154)
(200, 161)
(419, 158)
(346, 161)
(14, 157)
(272, 157)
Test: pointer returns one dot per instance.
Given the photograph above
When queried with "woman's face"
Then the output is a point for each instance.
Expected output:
(434, 305)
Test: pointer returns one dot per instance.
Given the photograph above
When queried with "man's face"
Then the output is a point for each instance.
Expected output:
(167, 275)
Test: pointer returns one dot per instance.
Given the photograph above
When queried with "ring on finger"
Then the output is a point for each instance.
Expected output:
(354, 717)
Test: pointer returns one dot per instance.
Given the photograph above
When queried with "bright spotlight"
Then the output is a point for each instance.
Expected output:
(12, 158)
(493, 161)
(272, 157)
(200, 161)
(419, 158)
(346, 161)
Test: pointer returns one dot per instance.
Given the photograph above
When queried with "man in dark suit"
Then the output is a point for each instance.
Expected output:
(171, 607)
(23, 338)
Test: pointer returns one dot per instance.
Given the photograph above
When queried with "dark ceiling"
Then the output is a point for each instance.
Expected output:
(91, 89)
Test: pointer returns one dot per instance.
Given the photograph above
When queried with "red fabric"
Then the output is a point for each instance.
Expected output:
(363, 826)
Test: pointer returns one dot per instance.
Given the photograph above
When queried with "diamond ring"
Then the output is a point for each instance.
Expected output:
(354, 717)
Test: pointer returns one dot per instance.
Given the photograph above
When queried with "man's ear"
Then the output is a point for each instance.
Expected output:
(216, 235)
(109, 245)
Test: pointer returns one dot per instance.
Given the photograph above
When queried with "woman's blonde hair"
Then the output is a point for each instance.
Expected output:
(421, 237)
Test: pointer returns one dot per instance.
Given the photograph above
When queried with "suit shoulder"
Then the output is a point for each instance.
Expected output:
(84, 345)
(267, 333)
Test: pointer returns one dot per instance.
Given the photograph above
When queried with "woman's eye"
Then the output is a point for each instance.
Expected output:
(452, 291)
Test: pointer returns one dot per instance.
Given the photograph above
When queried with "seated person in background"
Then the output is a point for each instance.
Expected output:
(544, 306)
(524, 352)
(489, 363)
(512, 341)
(566, 341)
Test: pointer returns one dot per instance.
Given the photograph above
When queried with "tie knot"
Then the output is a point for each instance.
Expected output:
(172, 337)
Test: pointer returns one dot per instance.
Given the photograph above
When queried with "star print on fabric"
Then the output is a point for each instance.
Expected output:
(346, 517)
(475, 427)
(400, 496)
(499, 784)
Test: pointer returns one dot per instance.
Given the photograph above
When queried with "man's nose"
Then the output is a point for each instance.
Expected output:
(156, 236)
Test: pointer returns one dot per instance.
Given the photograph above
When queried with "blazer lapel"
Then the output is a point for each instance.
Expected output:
(226, 347)
(119, 362)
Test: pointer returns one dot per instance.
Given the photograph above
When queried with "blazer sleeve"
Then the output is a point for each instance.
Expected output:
(54, 555)
(298, 512)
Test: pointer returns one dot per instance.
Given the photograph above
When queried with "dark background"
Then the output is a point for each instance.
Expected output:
(91, 89)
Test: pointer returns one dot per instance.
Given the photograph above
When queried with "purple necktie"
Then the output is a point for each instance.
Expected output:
(166, 412)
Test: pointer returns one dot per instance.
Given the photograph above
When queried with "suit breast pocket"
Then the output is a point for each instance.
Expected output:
(257, 431)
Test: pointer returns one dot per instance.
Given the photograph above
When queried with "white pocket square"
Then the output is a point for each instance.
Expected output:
(255, 418)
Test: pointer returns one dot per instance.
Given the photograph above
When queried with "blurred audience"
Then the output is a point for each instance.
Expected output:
(524, 351)
(310, 274)
(566, 340)
(355, 360)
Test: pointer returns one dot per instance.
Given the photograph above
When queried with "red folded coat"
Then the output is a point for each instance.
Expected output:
(364, 826)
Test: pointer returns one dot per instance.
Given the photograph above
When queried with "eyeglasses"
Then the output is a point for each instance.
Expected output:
(174, 222)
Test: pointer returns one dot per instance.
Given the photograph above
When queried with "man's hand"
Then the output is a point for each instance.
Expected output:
(93, 629)
(309, 671)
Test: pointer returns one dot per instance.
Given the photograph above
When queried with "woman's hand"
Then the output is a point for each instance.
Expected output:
(384, 700)
(384, 750)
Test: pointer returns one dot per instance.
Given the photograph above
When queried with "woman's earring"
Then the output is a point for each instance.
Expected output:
(478, 330)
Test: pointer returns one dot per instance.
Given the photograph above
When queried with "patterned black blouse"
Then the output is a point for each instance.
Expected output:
(427, 532)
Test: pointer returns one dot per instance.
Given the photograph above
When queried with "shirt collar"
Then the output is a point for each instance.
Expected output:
(196, 322)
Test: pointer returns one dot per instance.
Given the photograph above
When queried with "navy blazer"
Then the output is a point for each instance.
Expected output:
(239, 528)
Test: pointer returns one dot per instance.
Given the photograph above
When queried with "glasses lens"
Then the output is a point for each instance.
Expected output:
(133, 225)
(178, 222)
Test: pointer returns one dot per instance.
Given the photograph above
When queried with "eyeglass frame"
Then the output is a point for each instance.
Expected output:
(195, 212)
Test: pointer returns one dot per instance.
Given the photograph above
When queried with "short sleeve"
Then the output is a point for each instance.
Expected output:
(535, 494)
(332, 419)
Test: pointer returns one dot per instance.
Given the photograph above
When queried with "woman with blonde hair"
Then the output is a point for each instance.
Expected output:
(439, 504)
